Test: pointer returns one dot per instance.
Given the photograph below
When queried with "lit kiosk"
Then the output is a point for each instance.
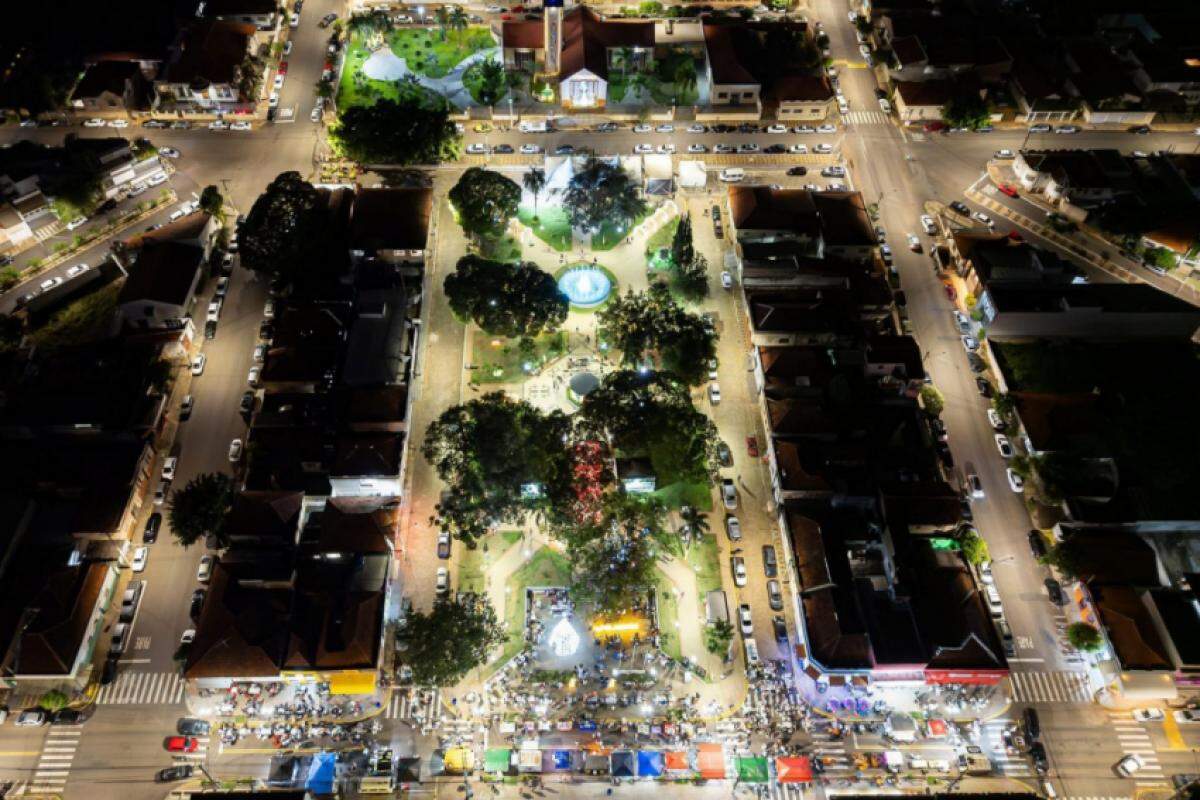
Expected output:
(552, 32)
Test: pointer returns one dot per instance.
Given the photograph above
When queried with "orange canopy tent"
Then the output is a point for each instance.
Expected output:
(711, 760)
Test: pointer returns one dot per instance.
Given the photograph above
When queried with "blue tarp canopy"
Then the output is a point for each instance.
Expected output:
(650, 763)
(622, 764)
(321, 774)
(556, 760)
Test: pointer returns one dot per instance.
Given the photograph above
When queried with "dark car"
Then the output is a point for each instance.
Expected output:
(150, 534)
(266, 330)
(724, 455)
(780, 629)
(1037, 544)
(197, 603)
(210, 329)
(1033, 727)
(503, 149)
(964, 506)
(564, 150)
(775, 149)
(107, 205)
(1037, 754)
(774, 596)
(797, 170)
(984, 386)
(1055, 591)
(110, 670)
(1140, 129)
(172, 774)
(190, 726)
(770, 565)
(961, 208)
(900, 297)
(247, 404)
(976, 363)
(69, 716)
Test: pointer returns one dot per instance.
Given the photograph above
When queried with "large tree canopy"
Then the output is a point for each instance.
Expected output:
(398, 132)
(485, 202)
(447, 643)
(515, 300)
(285, 232)
(966, 110)
(614, 557)
(639, 323)
(200, 508)
(602, 193)
(654, 414)
(500, 457)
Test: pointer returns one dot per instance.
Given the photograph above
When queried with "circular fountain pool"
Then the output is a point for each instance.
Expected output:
(586, 286)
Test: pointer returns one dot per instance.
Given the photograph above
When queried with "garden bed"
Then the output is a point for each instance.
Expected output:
(552, 226)
(474, 564)
(500, 360)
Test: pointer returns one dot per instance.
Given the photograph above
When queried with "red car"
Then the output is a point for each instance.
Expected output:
(930, 127)
(951, 292)
(180, 744)
(283, 68)
(506, 17)
(1008, 189)
(752, 446)
(1015, 236)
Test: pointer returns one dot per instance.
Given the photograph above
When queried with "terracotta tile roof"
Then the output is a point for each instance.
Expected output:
(587, 39)
(763, 208)
(923, 93)
(211, 52)
(722, 56)
(164, 272)
(107, 76)
(523, 35)
(801, 89)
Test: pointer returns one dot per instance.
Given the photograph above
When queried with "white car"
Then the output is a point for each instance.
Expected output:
(738, 566)
(235, 451)
(777, 128)
(1015, 481)
(914, 243)
(643, 127)
(93, 123)
(744, 620)
(77, 269)
(1149, 714)
(696, 127)
(443, 580)
(994, 419)
(979, 216)
(970, 343)
(865, 50)
(798, 149)
(747, 147)
(252, 375)
(726, 280)
(827, 128)
(477, 148)
(804, 129)
(168, 468)
(139, 559)
(697, 148)
(643, 148)
(1186, 716)
(279, 79)
(287, 47)
(156, 180)
(729, 496)
(294, 21)
(962, 322)
(975, 486)
(222, 287)
(1003, 445)
(168, 152)
(316, 114)
(118, 123)
(666, 149)
(724, 148)
(188, 636)
(218, 125)
(531, 149)
(273, 100)
(714, 394)
(241, 126)
(1129, 765)
(50, 283)
(993, 601)
(823, 149)
(1004, 155)
(664, 128)
(198, 364)
(733, 528)
(985, 572)
(204, 571)
(1067, 129)
(928, 224)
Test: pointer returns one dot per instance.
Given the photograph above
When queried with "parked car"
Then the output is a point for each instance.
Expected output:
(443, 545)
(928, 224)
(246, 406)
(204, 571)
(714, 394)
(979, 216)
(171, 774)
(745, 622)
(71, 716)
(970, 343)
(993, 600)
(120, 638)
(1150, 714)
(1187, 716)
(168, 468)
(1003, 445)
(974, 486)
(443, 581)
(960, 207)
(1054, 591)
(185, 408)
(150, 532)
(733, 528)
(985, 572)
(235, 451)
(197, 604)
(728, 494)
(1037, 544)
(31, 718)
(738, 566)
(180, 744)
(724, 455)
(770, 565)
(1015, 481)
(774, 595)
(140, 555)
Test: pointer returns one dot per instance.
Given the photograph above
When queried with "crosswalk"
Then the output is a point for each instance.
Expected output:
(1017, 764)
(142, 688)
(866, 118)
(1058, 686)
(413, 704)
(54, 762)
(785, 791)
(1134, 738)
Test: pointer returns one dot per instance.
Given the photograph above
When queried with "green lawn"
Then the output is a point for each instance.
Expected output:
(472, 564)
(661, 239)
(552, 226)
(705, 559)
(426, 53)
(683, 493)
(609, 235)
(85, 320)
(545, 568)
(504, 362)
(668, 618)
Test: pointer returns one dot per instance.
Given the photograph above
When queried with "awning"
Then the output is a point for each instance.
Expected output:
(556, 760)
(529, 759)
(321, 773)
(497, 759)
(710, 759)
(1147, 686)
(677, 761)
(650, 763)
(459, 759)
(353, 682)
(596, 764)
(937, 728)
(793, 769)
(752, 770)
(622, 764)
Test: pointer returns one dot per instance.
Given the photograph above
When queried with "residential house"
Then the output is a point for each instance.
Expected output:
(367, 465)
(1041, 97)
(920, 101)
(801, 98)
(1102, 312)
(15, 232)
(986, 259)
(111, 87)
(1109, 94)
(262, 14)
(796, 223)
(390, 225)
(205, 69)
(165, 271)
(1077, 179)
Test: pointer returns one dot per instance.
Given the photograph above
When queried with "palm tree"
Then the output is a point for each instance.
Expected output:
(534, 181)
(458, 19)
(685, 78)
(695, 523)
(442, 16)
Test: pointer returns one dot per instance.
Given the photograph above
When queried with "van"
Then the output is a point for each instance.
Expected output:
(120, 638)
(751, 653)
(993, 601)
(732, 175)
(533, 127)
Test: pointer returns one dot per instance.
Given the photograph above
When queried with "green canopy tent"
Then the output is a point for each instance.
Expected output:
(752, 770)
(497, 760)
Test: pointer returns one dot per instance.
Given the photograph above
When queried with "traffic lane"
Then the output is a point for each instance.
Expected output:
(120, 751)
(307, 59)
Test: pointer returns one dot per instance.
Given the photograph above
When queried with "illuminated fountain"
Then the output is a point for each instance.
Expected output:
(586, 286)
